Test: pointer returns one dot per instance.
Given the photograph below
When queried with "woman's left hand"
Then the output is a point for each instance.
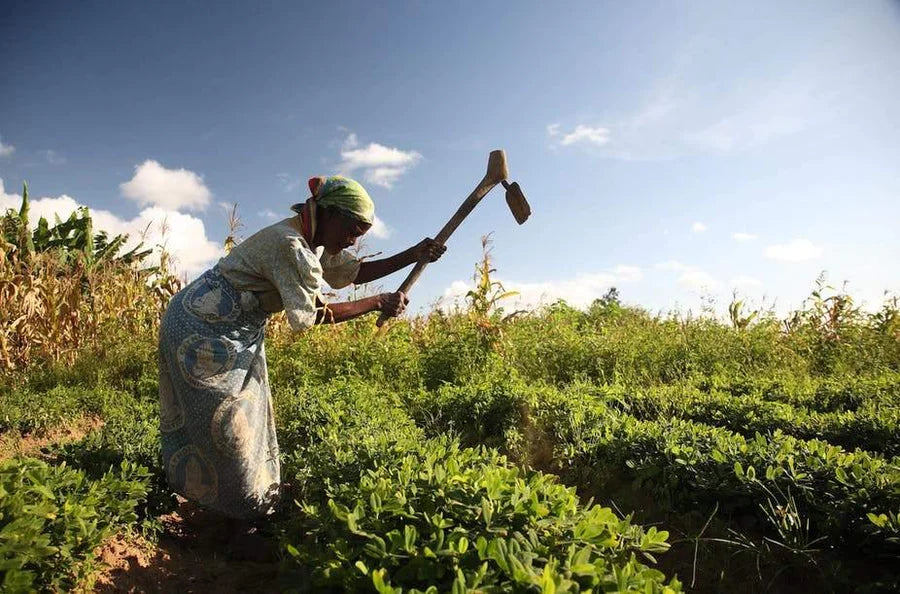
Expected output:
(428, 250)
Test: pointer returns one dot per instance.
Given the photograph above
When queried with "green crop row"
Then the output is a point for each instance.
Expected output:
(821, 394)
(578, 434)
(681, 460)
(868, 427)
(442, 519)
(52, 518)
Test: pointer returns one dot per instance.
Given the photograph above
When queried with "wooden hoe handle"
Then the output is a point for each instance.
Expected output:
(496, 173)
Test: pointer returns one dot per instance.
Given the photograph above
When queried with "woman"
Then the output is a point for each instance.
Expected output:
(218, 433)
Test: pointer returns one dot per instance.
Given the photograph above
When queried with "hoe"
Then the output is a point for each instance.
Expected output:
(497, 173)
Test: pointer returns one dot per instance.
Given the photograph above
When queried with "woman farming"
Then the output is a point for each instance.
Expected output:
(218, 433)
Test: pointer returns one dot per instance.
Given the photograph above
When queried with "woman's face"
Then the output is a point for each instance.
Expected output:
(337, 232)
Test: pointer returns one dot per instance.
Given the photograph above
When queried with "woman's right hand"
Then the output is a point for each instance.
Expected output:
(393, 304)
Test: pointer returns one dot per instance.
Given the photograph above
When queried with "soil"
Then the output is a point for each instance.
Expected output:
(188, 557)
(15, 444)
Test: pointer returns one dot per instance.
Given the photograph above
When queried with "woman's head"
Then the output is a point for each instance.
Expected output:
(337, 230)
(344, 212)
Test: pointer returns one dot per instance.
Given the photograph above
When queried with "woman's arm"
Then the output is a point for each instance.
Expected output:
(392, 304)
(369, 271)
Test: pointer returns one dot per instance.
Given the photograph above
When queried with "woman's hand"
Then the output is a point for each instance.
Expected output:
(393, 304)
(428, 250)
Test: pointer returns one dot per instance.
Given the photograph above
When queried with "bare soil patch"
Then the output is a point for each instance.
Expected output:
(15, 444)
(190, 556)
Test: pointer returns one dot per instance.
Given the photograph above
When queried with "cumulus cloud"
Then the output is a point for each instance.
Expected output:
(797, 250)
(6, 150)
(380, 229)
(172, 189)
(580, 291)
(183, 235)
(691, 277)
(698, 227)
(381, 165)
(743, 236)
(581, 134)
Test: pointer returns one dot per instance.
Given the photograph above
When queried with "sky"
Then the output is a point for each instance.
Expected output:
(679, 151)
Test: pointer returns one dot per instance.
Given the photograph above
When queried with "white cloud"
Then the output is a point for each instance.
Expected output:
(6, 150)
(580, 291)
(745, 281)
(8, 200)
(185, 238)
(797, 250)
(691, 277)
(743, 236)
(171, 189)
(381, 165)
(698, 227)
(588, 134)
(385, 177)
(380, 229)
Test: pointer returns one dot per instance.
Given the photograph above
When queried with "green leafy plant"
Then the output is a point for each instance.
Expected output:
(53, 517)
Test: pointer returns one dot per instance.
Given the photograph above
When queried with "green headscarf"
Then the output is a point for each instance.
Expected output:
(342, 193)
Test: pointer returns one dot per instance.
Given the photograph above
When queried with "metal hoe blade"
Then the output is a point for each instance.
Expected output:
(515, 198)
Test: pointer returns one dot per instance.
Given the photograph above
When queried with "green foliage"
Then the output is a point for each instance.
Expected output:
(444, 518)
(870, 425)
(486, 410)
(351, 349)
(681, 460)
(334, 432)
(53, 517)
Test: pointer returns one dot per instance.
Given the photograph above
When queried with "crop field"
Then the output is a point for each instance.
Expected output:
(609, 450)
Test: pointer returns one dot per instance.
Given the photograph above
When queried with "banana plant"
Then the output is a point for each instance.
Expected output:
(71, 239)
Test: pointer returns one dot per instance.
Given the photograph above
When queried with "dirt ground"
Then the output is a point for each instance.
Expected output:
(13, 444)
(189, 557)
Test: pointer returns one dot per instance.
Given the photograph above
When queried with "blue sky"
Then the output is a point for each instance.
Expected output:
(675, 150)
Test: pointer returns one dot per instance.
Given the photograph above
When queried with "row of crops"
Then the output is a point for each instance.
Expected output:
(601, 450)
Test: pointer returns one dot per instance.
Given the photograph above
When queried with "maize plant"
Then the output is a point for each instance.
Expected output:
(61, 285)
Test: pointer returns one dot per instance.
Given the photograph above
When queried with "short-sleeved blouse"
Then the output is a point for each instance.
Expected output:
(279, 266)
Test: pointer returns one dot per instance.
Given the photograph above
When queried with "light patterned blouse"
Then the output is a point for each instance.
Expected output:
(285, 273)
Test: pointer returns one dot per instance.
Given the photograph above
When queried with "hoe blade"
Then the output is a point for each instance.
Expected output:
(517, 203)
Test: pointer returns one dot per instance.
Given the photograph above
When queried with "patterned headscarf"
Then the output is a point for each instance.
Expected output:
(338, 192)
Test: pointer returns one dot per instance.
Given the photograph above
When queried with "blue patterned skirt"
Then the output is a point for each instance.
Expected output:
(218, 431)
